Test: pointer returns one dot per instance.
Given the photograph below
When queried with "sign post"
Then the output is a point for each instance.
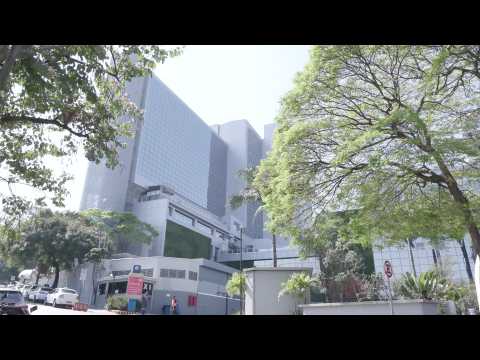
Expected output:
(134, 287)
(388, 270)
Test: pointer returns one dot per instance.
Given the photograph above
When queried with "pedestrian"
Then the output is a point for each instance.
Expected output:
(144, 303)
(173, 305)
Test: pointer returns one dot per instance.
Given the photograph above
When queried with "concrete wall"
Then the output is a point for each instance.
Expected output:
(262, 288)
(154, 213)
(400, 307)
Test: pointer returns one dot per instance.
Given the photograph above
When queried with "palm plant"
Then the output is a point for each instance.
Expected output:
(250, 194)
(429, 286)
(298, 286)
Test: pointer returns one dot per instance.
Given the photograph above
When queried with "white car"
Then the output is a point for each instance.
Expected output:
(62, 296)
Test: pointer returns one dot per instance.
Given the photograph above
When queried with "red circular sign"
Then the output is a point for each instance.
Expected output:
(387, 268)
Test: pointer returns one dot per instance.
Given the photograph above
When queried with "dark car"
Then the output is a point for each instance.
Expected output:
(12, 303)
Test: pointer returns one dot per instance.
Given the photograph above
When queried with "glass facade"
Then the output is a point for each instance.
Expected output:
(174, 147)
(448, 256)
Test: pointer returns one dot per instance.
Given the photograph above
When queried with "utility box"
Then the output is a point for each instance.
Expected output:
(262, 287)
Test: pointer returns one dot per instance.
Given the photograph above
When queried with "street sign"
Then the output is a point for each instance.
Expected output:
(135, 283)
(387, 268)
(135, 286)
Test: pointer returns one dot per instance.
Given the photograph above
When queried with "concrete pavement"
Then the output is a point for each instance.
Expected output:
(50, 310)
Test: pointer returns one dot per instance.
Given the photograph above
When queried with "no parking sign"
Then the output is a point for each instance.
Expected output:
(387, 268)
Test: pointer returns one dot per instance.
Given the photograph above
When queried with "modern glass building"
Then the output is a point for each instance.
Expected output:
(178, 174)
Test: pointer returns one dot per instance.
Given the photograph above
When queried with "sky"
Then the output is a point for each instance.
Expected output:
(220, 83)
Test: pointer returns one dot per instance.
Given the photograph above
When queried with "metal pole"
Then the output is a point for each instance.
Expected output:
(390, 296)
(241, 270)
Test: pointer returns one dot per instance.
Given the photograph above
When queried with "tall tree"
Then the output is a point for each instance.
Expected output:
(250, 194)
(373, 127)
(55, 239)
(55, 99)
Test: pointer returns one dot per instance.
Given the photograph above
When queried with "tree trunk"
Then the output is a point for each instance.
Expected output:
(467, 260)
(460, 199)
(8, 65)
(38, 278)
(274, 249)
(57, 275)
(410, 246)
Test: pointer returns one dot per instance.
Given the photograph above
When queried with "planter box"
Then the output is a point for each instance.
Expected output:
(262, 287)
(400, 307)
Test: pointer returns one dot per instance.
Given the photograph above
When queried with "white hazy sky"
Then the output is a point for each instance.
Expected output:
(221, 83)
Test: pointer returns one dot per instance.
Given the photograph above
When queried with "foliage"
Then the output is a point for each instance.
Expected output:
(342, 263)
(118, 302)
(429, 285)
(236, 283)
(297, 285)
(388, 131)
(55, 239)
(55, 99)
(372, 288)
(249, 193)
(464, 297)
(120, 227)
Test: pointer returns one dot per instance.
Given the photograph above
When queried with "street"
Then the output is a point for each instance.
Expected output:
(50, 310)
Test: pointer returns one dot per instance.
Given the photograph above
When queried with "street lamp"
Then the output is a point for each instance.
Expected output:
(241, 270)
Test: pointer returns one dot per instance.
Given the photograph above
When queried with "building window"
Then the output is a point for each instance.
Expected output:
(117, 287)
(192, 275)
(172, 273)
(101, 289)
(164, 273)
(181, 274)
(204, 227)
(148, 272)
(183, 218)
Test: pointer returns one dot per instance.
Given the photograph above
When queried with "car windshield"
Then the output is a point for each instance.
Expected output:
(46, 289)
(68, 291)
(11, 297)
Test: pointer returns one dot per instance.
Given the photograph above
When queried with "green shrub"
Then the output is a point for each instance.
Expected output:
(117, 303)
(430, 285)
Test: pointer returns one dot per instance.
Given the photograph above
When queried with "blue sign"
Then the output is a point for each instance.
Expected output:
(137, 269)
(132, 305)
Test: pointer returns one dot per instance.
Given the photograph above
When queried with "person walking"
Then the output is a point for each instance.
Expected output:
(173, 306)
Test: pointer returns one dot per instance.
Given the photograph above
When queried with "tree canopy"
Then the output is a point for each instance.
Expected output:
(55, 99)
(55, 240)
(391, 132)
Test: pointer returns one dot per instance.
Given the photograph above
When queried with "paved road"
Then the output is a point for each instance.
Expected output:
(50, 310)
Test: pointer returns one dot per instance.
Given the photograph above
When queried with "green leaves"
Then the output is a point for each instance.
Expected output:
(236, 283)
(76, 90)
(297, 285)
(429, 286)
(56, 239)
(379, 130)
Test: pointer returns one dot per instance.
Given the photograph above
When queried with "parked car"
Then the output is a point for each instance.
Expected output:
(62, 297)
(40, 294)
(25, 291)
(12, 303)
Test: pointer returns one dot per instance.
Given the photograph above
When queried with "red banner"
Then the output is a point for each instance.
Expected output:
(135, 285)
